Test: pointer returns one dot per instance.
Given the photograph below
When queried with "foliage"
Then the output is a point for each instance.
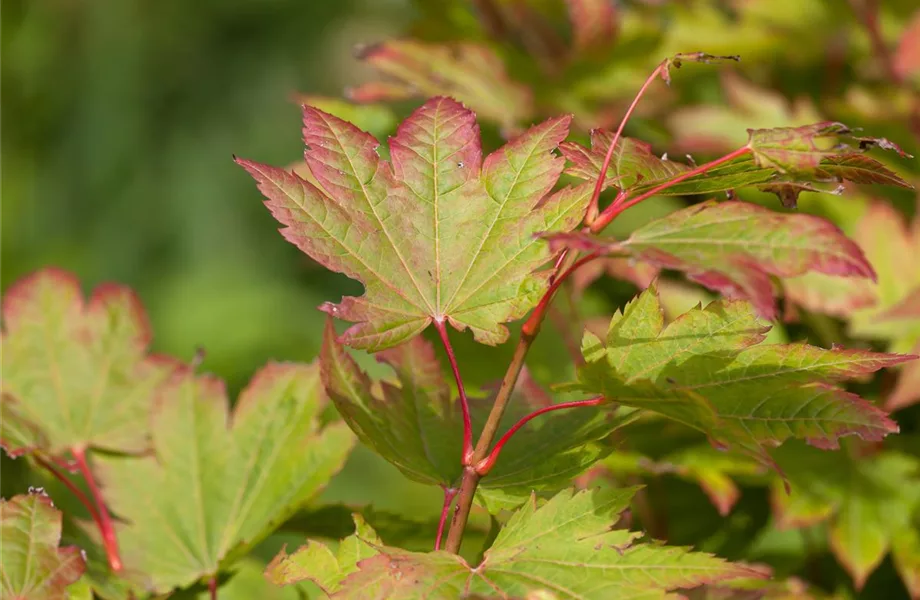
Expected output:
(756, 348)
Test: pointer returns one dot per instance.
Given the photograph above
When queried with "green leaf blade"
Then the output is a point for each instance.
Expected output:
(31, 563)
(437, 233)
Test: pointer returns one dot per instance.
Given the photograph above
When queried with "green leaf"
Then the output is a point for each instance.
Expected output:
(437, 234)
(217, 484)
(735, 248)
(708, 369)
(414, 423)
(317, 563)
(76, 373)
(869, 501)
(567, 547)
(31, 563)
(471, 73)
(783, 160)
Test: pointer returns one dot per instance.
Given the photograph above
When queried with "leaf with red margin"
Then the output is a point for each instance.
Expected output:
(869, 501)
(414, 423)
(735, 248)
(709, 370)
(76, 374)
(218, 483)
(471, 73)
(436, 234)
(31, 563)
(567, 546)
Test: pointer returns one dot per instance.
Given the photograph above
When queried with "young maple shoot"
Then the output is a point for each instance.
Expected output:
(440, 236)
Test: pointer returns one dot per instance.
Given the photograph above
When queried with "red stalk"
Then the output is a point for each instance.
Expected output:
(73, 489)
(449, 495)
(599, 186)
(464, 403)
(109, 540)
(212, 587)
(536, 317)
(616, 208)
(486, 464)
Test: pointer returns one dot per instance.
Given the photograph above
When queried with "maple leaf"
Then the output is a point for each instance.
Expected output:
(708, 369)
(907, 391)
(869, 501)
(538, 550)
(469, 72)
(76, 374)
(437, 234)
(735, 248)
(316, 562)
(782, 160)
(31, 563)
(415, 424)
(210, 492)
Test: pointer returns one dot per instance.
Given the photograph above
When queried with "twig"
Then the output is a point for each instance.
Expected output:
(464, 403)
(615, 209)
(532, 324)
(599, 186)
(109, 540)
(449, 495)
(486, 464)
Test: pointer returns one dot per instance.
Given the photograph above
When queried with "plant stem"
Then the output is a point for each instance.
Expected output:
(72, 487)
(449, 495)
(486, 464)
(532, 324)
(615, 209)
(464, 403)
(599, 186)
(109, 541)
(212, 587)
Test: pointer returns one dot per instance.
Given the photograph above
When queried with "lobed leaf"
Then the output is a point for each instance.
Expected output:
(735, 248)
(317, 563)
(437, 234)
(76, 373)
(708, 370)
(216, 485)
(415, 424)
(472, 73)
(31, 563)
(566, 547)
(870, 501)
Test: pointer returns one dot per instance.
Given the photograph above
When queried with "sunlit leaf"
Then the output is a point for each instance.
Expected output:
(316, 562)
(708, 369)
(869, 500)
(735, 248)
(565, 547)
(414, 423)
(218, 483)
(439, 234)
(471, 73)
(76, 373)
(32, 566)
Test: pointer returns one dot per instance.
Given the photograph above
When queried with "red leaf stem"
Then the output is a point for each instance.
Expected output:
(536, 317)
(109, 540)
(449, 495)
(464, 403)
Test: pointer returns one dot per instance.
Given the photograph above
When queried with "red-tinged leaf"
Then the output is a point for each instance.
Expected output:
(437, 234)
(869, 501)
(822, 150)
(414, 423)
(709, 370)
(217, 483)
(906, 59)
(907, 391)
(32, 566)
(830, 294)
(76, 373)
(735, 247)
(594, 23)
(471, 73)
(905, 550)
(566, 547)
